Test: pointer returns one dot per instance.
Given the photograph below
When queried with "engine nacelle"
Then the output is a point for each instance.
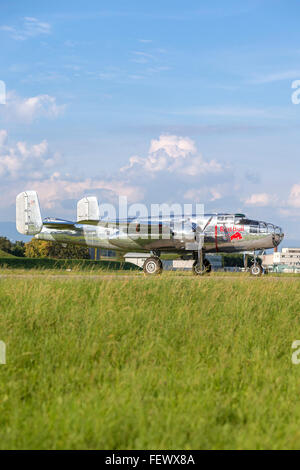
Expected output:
(187, 236)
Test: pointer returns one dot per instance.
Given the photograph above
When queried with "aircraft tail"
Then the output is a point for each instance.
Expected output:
(88, 210)
(28, 214)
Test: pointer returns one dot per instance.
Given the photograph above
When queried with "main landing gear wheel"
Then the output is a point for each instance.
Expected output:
(199, 270)
(256, 270)
(152, 266)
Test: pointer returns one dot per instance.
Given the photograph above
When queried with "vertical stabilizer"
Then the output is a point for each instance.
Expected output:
(28, 214)
(88, 209)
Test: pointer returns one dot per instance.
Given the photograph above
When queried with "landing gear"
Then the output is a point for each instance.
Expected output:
(153, 265)
(201, 266)
(199, 270)
(256, 269)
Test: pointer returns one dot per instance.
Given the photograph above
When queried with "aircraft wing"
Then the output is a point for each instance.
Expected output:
(105, 223)
(129, 224)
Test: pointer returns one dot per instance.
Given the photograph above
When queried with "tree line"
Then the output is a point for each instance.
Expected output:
(43, 249)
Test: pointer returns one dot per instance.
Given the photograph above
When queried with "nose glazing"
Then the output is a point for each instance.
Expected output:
(278, 236)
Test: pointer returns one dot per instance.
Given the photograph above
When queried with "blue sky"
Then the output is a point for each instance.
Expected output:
(160, 101)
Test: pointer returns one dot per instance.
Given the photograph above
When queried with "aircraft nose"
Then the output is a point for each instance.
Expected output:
(278, 236)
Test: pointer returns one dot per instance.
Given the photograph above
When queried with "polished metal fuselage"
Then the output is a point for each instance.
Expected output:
(224, 233)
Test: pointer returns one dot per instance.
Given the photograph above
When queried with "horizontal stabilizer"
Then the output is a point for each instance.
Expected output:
(59, 224)
(28, 214)
(88, 210)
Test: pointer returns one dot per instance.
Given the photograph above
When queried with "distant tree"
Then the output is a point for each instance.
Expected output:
(14, 248)
(233, 260)
(18, 249)
(43, 249)
(5, 244)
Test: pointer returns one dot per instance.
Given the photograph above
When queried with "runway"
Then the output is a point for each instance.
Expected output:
(141, 276)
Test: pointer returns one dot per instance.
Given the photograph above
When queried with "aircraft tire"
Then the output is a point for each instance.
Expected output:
(152, 266)
(200, 271)
(256, 270)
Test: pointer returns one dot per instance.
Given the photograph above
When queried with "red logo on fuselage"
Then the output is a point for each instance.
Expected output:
(235, 228)
(236, 236)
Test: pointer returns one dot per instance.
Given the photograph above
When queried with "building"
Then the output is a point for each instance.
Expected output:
(98, 253)
(288, 260)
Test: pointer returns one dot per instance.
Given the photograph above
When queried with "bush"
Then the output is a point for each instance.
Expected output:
(43, 249)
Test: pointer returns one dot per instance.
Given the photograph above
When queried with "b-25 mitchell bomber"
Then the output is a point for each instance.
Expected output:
(193, 235)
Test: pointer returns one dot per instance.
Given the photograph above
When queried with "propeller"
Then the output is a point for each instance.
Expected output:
(200, 234)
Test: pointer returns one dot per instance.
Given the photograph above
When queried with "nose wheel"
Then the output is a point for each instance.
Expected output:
(256, 270)
(152, 266)
(200, 270)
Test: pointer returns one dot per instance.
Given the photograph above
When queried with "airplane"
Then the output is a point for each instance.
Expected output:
(193, 235)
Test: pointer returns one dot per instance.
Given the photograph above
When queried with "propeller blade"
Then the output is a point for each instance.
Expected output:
(207, 223)
(200, 239)
(201, 230)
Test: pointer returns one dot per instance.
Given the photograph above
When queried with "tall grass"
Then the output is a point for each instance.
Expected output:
(172, 362)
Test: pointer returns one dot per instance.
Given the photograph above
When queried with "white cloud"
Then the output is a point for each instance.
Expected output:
(261, 200)
(24, 166)
(3, 137)
(294, 197)
(30, 27)
(290, 207)
(21, 160)
(198, 166)
(173, 154)
(30, 109)
(204, 194)
(164, 175)
(57, 188)
(20, 163)
(173, 146)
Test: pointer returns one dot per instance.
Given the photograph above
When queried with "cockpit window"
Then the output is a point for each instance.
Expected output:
(262, 227)
(253, 223)
(225, 218)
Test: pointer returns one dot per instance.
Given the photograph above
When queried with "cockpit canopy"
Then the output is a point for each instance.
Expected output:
(256, 226)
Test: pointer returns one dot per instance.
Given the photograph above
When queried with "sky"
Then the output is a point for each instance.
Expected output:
(161, 102)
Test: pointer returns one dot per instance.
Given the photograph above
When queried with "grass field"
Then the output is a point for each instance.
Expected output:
(175, 362)
(4, 255)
